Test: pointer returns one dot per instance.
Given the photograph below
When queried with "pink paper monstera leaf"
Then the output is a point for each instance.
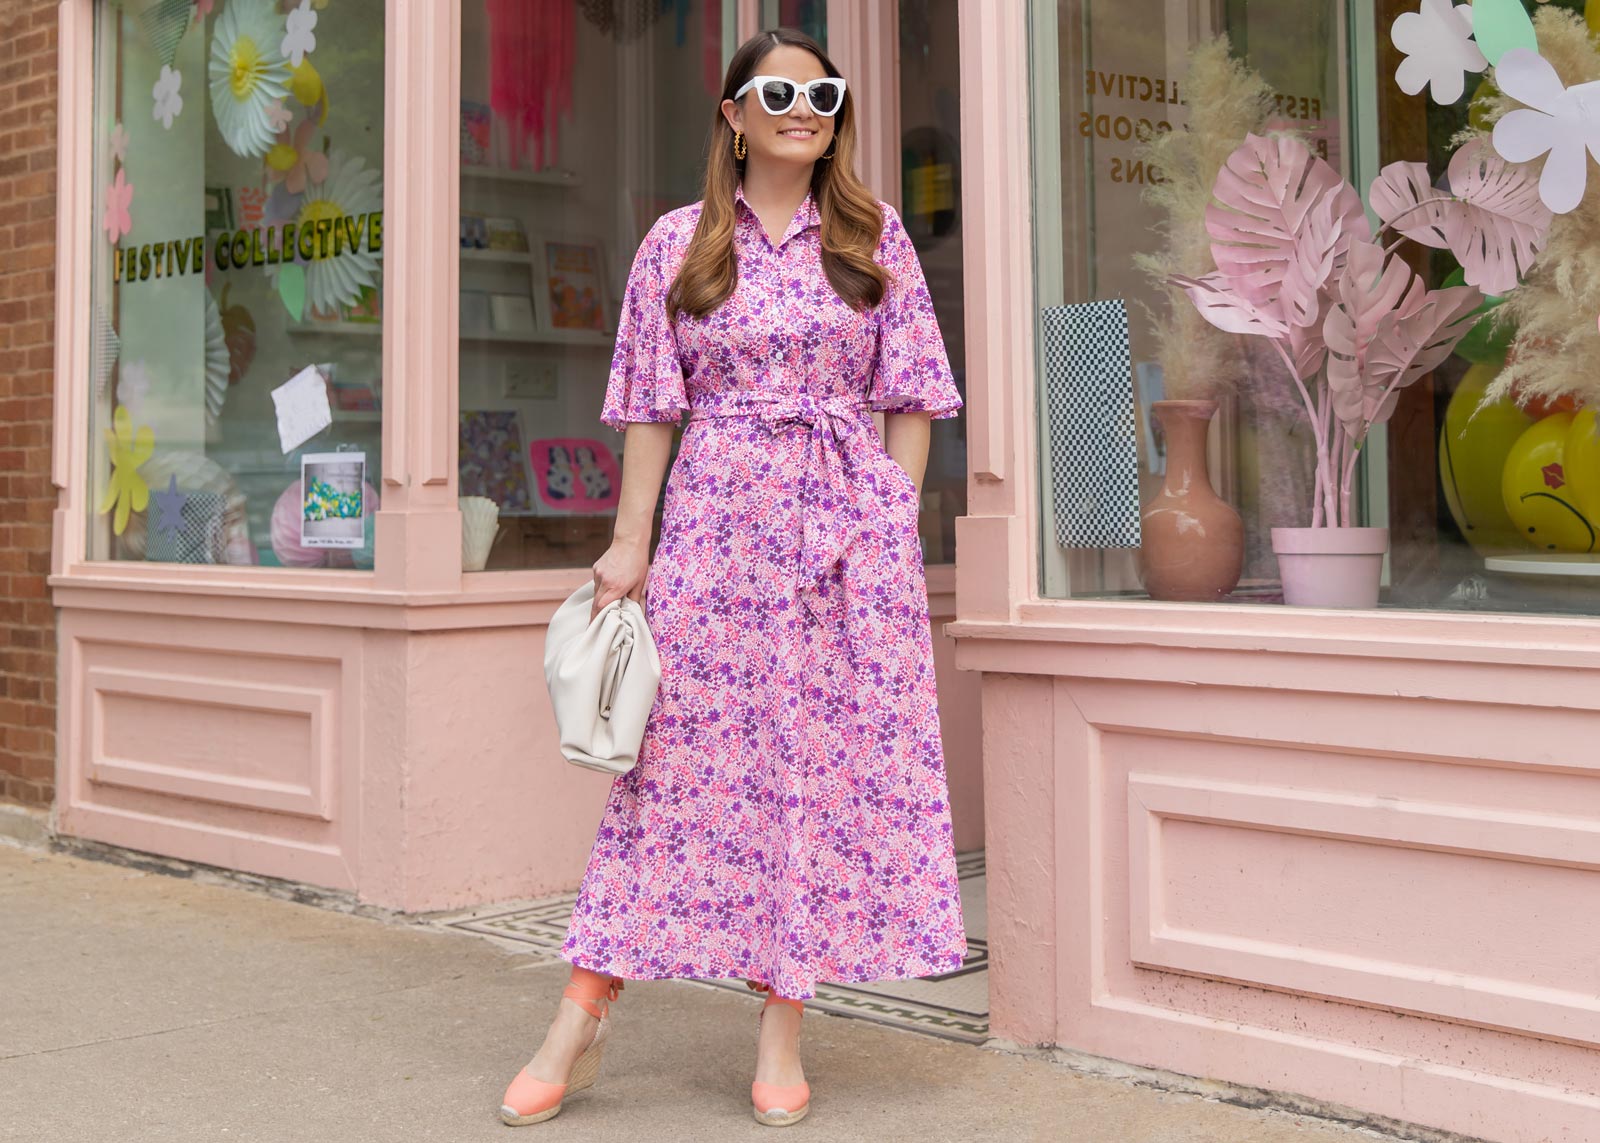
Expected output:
(1221, 305)
(1295, 324)
(1281, 218)
(1384, 330)
(1281, 221)
(1491, 219)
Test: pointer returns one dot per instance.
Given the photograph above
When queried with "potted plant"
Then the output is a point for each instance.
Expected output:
(1299, 266)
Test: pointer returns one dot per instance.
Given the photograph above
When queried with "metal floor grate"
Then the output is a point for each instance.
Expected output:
(954, 1006)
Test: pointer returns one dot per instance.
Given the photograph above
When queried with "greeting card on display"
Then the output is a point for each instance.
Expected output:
(474, 311)
(493, 463)
(506, 234)
(333, 510)
(475, 124)
(575, 475)
(511, 313)
(575, 283)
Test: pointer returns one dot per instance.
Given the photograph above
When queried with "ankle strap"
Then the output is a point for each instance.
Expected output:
(773, 998)
(590, 995)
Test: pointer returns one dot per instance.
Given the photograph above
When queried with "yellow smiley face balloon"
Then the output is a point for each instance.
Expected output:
(1538, 494)
(1473, 446)
(1581, 461)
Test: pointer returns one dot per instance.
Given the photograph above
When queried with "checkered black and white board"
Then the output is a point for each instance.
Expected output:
(1094, 457)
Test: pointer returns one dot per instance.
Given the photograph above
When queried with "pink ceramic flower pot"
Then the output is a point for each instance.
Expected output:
(1330, 567)
(1192, 540)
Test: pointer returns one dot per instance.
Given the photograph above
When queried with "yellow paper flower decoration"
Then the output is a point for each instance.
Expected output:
(126, 490)
(305, 84)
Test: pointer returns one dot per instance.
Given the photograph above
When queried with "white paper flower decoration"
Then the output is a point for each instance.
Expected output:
(1439, 49)
(300, 38)
(168, 101)
(1561, 121)
(217, 362)
(119, 143)
(133, 387)
(248, 73)
(351, 190)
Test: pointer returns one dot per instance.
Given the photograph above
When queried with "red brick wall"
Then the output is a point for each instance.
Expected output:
(27, 313)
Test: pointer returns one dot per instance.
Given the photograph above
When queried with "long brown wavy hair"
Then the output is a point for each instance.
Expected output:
(852, 223)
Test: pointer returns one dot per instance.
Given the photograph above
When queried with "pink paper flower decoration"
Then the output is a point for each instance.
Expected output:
(202, 9)
(119, 143)
(279, 116)
(119, 202)
(297, 161)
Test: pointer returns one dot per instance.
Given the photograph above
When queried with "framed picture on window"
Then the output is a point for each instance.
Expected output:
(575, 295)
(574, 476)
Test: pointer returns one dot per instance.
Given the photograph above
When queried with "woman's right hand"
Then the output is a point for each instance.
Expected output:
(620, 572)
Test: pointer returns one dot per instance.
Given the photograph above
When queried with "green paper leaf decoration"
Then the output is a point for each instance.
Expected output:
(164, 23)
(1500, 25)
(292, 289)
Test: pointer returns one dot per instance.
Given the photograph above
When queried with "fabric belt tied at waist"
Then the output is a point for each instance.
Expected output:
(830, 518)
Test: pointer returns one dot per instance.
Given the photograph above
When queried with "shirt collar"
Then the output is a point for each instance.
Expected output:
(804, 219)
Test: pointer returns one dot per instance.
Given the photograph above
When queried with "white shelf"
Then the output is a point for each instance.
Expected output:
(593, 338)
(550, 178)
(1560, 565)
(358, 328)
(515, 257)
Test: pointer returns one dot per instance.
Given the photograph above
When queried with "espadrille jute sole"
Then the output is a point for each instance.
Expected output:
(584, 1072)
(781, 1118)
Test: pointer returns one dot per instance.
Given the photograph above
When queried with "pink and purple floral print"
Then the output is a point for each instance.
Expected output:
(788, 820)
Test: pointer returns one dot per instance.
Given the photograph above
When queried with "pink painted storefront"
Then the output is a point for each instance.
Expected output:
(1346, 855)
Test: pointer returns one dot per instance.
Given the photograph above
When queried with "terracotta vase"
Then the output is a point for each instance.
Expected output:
(1192, 540)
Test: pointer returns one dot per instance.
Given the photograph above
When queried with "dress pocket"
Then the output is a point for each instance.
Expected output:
(902, 492)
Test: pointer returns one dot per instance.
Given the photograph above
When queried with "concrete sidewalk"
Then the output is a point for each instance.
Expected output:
(138, 1006)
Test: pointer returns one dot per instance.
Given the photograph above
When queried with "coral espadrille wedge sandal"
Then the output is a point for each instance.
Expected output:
(530, 1100)
(778, 1105)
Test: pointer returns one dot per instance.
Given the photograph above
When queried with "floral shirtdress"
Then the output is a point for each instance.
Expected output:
(788, 820)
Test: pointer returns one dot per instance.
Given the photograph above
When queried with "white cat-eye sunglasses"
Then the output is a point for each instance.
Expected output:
(778, 95)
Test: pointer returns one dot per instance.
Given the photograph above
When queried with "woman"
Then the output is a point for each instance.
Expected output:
(788, 820)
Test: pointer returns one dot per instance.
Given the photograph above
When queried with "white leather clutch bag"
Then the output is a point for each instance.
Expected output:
(603, 678)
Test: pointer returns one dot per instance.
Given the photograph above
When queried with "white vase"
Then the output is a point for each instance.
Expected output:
(480, 521)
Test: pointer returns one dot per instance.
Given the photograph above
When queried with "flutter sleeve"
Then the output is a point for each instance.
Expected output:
(646, 382)
(912, 370)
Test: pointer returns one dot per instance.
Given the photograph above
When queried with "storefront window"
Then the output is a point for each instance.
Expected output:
(1113, 223)
(930, 198)
(808, 16)
(1109, 75)
(578, 130)
(1496, 508)
(237, 289)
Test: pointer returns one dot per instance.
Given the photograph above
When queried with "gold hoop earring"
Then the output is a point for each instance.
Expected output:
(740, 148)
(833, 152)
